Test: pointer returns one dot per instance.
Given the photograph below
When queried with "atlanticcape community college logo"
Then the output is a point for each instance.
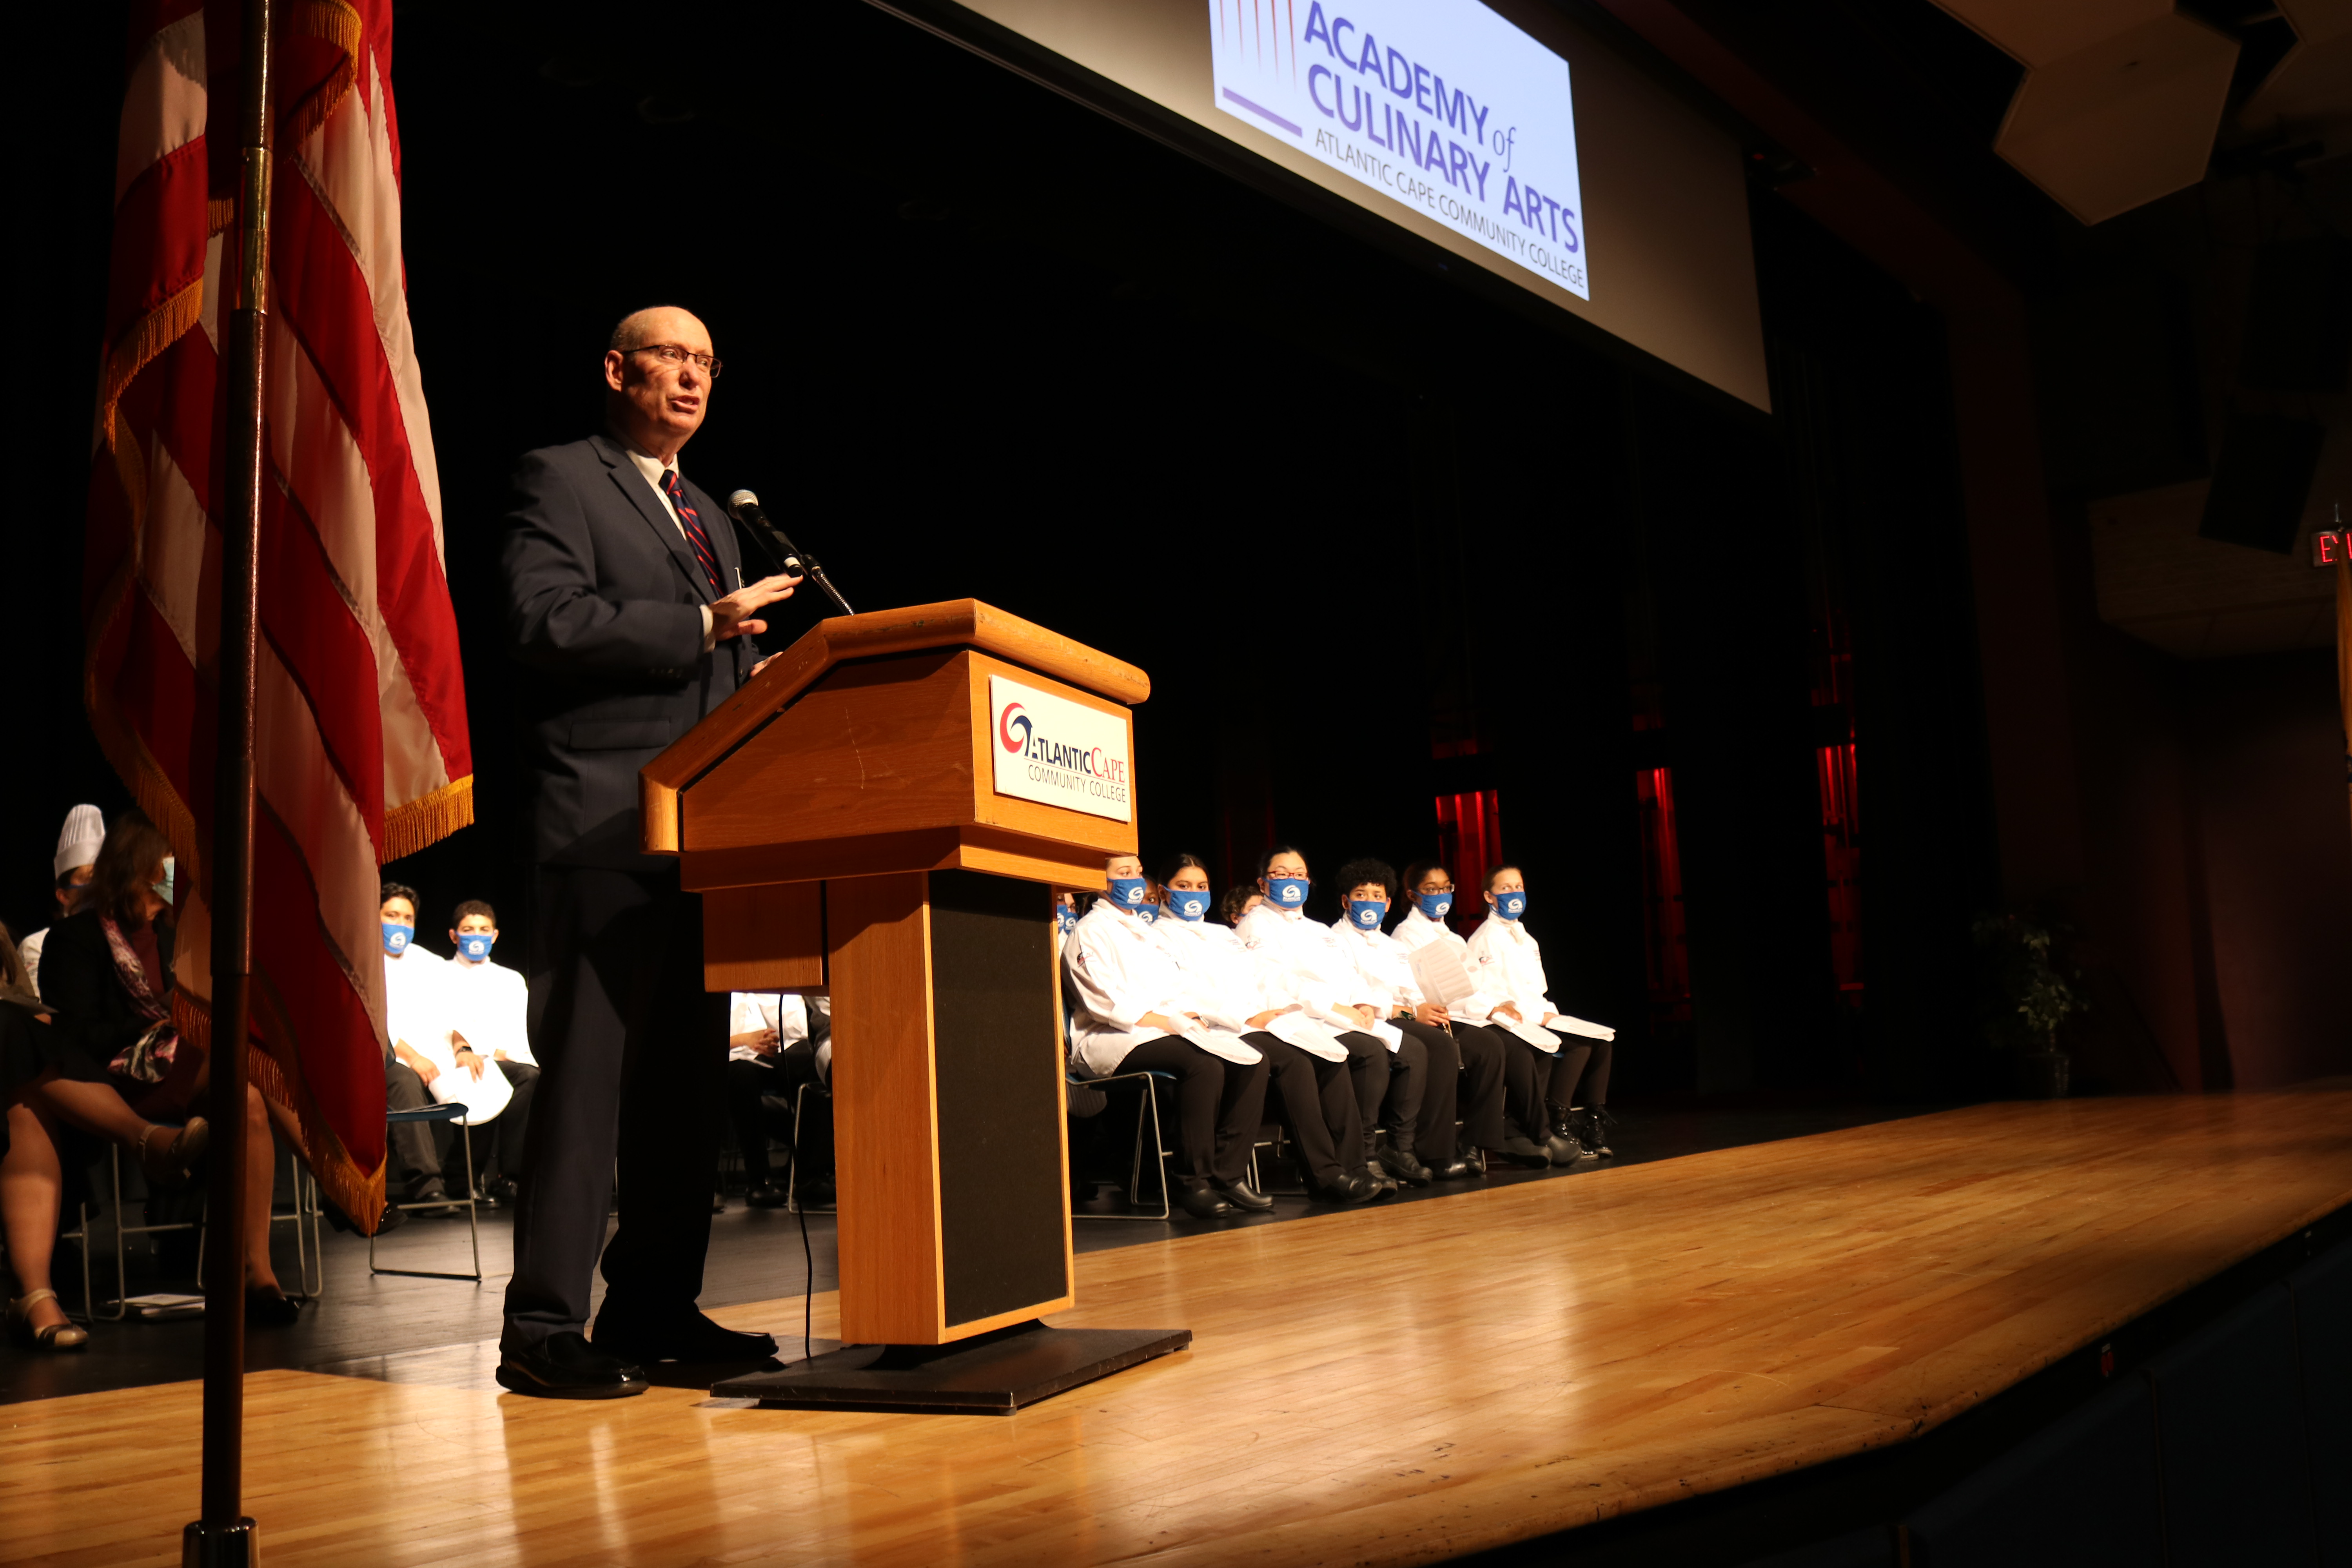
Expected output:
(1060, 752)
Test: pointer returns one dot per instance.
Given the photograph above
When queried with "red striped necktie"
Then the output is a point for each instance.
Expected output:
(691, 520)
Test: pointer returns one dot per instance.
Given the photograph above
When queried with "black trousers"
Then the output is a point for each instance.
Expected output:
(631, 1049)
(1389, 1085)
(497, 1147)
(1219, 1105)
(415, 1155)
(1478, 1097)
(782, 1075)
(1526, 1079)
(1440, 1090)
(1579, 1073)
(1319, 1098)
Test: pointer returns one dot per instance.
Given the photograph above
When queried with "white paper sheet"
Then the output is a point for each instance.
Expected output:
(1437, 970)
(1567, 1026)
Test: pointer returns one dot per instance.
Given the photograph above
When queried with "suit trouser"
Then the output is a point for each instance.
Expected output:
(1320, 1097)
(1397, 1079)
(1219, 1105)
(1527, 1078)
(1582, 1064)
(411, 1142)
(1432, 1125)
(631, 1048)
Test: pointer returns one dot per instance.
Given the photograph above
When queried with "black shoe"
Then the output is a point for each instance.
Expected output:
(1455, 1170)
(500, 1190)
(814, 1194)
(690, 1338)
(1196, 1198)
(1563, 1149)
(1592, 1131)
(1242, 1196)
(1352, 1187)
(566, 1367)
(271, 1309)
(1399, 1162)
(1520, 1150)
(434, 1198)
(766, 1195)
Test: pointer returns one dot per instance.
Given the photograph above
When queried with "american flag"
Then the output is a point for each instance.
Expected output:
(362, 753)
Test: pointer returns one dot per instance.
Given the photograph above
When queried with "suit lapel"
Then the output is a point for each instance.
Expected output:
(633, 486)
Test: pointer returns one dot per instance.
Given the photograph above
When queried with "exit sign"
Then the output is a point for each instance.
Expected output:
(2328, 548)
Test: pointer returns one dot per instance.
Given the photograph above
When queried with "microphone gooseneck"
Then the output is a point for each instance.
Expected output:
(744, 507)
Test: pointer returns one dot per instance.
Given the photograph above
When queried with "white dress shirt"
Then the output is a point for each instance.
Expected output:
(1119, 970)
(415, 1013)
(488, 1005)
(1301, 960)
(653, 468)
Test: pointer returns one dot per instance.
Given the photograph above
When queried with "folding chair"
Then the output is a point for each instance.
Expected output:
(793, 1181)
(453, 1111)
(307, 1255)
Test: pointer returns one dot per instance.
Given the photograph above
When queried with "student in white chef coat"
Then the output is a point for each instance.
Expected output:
(778, 1042)
(1507, 963)
(1465, 1062)
(1135, 1014)
(1301, 960)
(1527, 1068)
(1308, 1070)
(488, 1007)
(412, 1017)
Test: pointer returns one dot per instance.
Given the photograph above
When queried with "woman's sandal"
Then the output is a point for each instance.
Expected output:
(170, 1161)
(65, 1336)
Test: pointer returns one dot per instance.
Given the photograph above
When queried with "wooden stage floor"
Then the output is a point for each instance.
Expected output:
(1364, 1387)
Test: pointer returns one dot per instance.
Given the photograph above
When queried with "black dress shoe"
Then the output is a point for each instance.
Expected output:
(1242, 1196)
(271, 1309)
(566, 1367)
(500, 1189)
(766, 1195)
(1454, 1170)
(690, 1338)
(1196, 1198)
(1524, 1151)
(1352, 1187)
(1405, 1165)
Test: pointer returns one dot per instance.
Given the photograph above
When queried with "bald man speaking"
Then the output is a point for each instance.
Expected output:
(630, 616)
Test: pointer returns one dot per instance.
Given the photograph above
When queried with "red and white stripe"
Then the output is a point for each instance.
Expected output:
(362, 750)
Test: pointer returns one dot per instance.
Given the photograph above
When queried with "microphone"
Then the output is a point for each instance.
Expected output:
(744, 507)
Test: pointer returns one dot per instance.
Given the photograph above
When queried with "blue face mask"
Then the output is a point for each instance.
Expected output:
(164, 888)
(1146, 914)
(1366, 915)
(1433, 906)
(1128, 893)
(475, 945)
(1510, 906)
(1065, 918)
(1287, 892)
(1187, 903)
(397, 938)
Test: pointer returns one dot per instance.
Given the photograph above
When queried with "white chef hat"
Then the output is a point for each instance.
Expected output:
(77, 844)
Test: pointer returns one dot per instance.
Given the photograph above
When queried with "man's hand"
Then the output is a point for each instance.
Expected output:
(1268, 1016)
(732, 617)
(418, 1062)
(763, 1041)
(1434, 1014)
(1162, 1022)
(470, 1062)
(500, 1057)
(1362, 1015)
(1508, 1010)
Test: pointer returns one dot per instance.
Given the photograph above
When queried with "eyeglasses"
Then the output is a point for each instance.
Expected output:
(677, 354)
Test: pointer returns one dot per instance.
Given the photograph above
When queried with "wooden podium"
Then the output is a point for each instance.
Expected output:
(882, 814)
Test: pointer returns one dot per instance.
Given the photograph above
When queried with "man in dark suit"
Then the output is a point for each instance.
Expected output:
(628, 613)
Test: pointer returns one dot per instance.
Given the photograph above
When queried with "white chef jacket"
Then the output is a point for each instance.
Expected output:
(415, 1013)
(1119, 970)
(787, 1013)
(1302, 962)
(488, 1006)
(1381, 960)
(1506, 961)
(1417, 929)
(29, 950)
(1216, 963)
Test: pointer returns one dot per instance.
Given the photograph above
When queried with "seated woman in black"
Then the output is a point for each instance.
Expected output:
(106, 970)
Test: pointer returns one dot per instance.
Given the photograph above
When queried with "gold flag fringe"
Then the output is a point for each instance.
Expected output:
(429, 819)
(158, 330)
(339, 24)
(359, 1193)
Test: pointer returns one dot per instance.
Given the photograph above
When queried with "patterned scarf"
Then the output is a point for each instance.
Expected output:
(149, 1057)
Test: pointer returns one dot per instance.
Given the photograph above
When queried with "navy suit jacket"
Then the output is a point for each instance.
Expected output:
(602, 596)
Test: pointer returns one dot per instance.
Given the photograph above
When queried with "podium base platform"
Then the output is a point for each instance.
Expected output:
(993, 1374)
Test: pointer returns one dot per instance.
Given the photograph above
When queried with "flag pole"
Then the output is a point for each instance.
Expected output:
(223, 1537)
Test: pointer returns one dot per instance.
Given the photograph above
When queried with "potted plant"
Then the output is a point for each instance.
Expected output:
(2026, 998)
